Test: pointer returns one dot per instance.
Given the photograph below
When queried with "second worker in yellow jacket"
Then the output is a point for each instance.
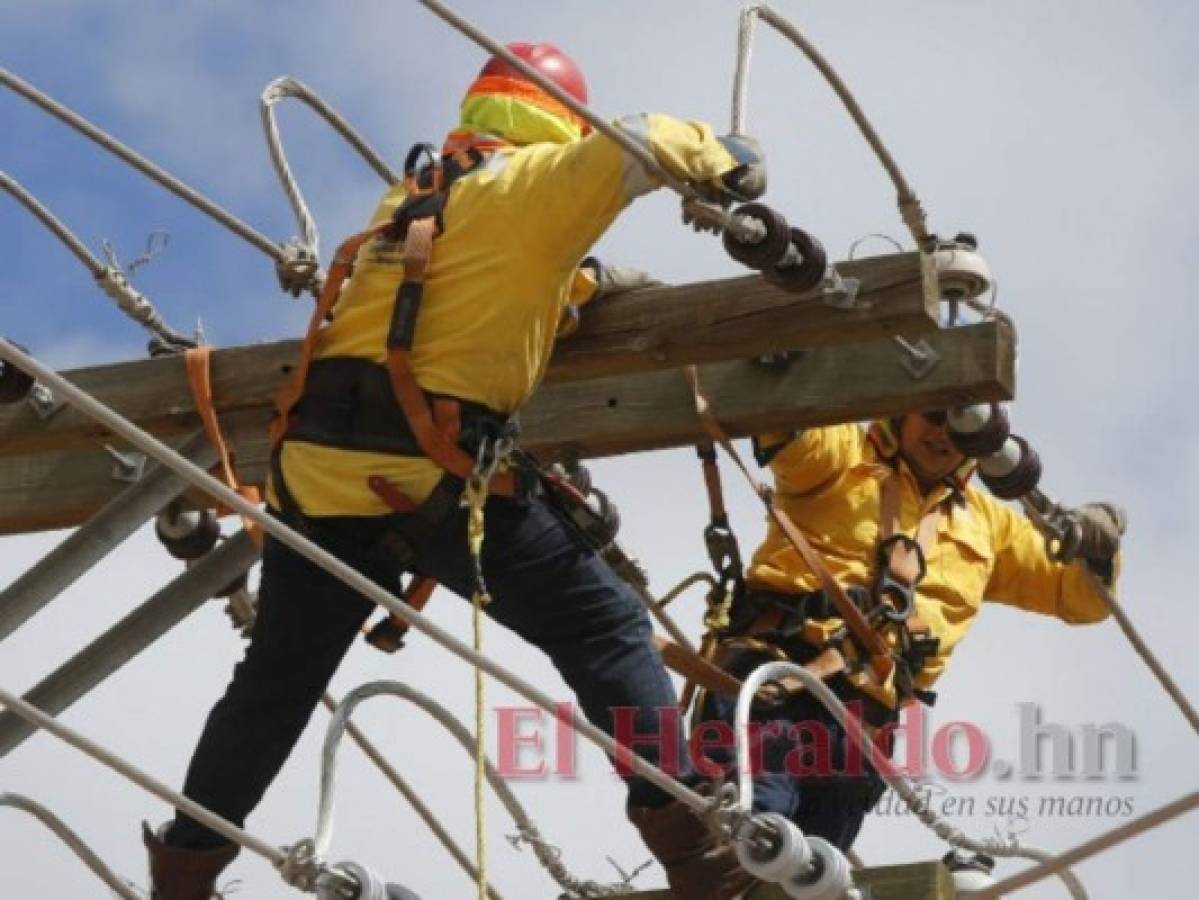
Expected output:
(834, 484)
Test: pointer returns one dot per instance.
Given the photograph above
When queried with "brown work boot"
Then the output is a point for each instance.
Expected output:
(698, 867)
(178, 874)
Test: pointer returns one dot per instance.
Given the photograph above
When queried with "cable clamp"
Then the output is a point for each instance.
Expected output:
(299, 270)
(300, 868)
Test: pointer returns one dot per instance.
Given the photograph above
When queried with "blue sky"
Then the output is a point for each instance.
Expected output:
(1063, 134)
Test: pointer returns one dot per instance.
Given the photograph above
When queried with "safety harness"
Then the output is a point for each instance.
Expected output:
(356, 404)
(884, 669)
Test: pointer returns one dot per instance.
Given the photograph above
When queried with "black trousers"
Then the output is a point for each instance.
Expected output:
(547, 587)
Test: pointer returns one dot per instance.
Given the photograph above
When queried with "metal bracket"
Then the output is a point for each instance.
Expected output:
(841, 293)
(918, 359)
(43, 401)
(130, 464)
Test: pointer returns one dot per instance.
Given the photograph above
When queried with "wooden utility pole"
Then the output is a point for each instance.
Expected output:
(612, 388)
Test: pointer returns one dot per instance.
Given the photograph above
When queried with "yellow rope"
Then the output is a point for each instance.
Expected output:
(476, 498)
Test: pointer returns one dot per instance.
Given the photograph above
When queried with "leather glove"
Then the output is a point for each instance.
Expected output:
(610, 279)
(1095, 534)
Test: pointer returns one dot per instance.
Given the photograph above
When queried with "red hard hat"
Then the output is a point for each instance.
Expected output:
(546, 59)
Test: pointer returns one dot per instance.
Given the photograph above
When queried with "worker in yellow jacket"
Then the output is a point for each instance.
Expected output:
(836, 485)
(529, 192)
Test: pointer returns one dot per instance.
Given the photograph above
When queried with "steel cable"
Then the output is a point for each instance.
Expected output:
(909, 204)
(886, 769)
(146, 167)
(196, 476)
(741, 227)
(280, 89)
(414, 799)
(547, 855)
(1055, 865)
(111, 279)
(116, 884)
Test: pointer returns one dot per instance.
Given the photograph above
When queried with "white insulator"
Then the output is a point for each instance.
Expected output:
(789, 859)
(370, 885)
(174, 524)
(834, 880)
(962, 273)
(971, 871)
(1001, 464)
(968, 881)
(969, 419)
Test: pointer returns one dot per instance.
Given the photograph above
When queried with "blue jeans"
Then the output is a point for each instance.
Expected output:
(546, 585)
(809, 773)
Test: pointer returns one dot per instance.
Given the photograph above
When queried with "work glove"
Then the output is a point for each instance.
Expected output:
(748, 180)
(1094, 536)
(611, 280)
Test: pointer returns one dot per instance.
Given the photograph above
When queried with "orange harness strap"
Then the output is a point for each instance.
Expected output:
(881, 663)
(435, 435)
(341, 269)
(389, 632)
(198, 361)
(904, 561)
(418, 250)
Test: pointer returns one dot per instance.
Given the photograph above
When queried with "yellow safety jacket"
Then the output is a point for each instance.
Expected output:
(502, 272)
(828, 481)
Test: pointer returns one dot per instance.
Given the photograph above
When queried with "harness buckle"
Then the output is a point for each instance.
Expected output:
(412, 170)
(893, 597)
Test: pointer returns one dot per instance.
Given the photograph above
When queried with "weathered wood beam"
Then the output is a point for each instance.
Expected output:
(659, 328)
(605, 416)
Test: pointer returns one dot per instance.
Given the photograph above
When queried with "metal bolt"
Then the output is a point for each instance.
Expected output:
(918, 359)
(130, 464)
(43, 401)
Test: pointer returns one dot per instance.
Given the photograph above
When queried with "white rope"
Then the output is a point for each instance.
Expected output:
(899, 783)
(282, 88)
(1056, 865)
(741, 227)
(111, 279)
(909, 204)
(548, 855)
(197, 477)
(116, 884)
